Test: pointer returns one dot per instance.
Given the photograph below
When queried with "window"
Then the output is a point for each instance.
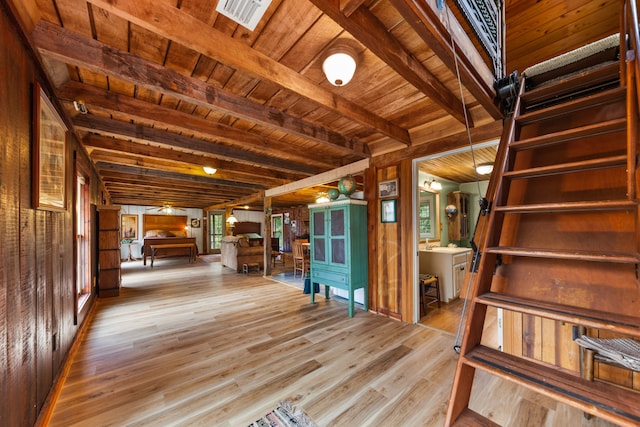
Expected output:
(83, 241)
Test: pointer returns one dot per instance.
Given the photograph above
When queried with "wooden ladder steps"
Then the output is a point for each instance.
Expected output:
(569, 107)
(581, 166)
(596, 205)
(565, 86)
(565, 313)
(610, 126)
(470, 418)
(574, 255)
(600, 399)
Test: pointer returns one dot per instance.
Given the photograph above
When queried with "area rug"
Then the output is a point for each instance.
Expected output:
(284, 415)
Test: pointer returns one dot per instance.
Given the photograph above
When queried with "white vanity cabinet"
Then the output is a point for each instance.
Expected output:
(450, 265)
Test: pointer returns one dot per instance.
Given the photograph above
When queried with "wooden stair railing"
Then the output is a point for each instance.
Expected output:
(560, 238)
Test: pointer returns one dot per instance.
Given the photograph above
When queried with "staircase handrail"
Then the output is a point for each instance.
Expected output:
(630, 75)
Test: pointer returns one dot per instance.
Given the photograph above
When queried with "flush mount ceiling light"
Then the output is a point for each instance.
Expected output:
(209, 170)
(484, 168)
(340, 63)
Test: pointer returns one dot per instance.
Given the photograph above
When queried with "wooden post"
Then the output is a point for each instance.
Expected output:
(267, 236)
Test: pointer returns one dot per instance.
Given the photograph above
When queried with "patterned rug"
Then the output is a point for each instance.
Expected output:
(284, 415)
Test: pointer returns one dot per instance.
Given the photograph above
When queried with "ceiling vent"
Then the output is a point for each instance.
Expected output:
(245, 12)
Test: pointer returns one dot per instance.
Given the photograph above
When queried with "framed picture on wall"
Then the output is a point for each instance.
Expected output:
(388, 188)
(388, 210)
(49, 155)
(129, 227)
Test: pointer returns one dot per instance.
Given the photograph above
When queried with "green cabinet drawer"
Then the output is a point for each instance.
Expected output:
(331, 277)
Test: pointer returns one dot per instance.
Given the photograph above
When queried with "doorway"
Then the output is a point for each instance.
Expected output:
(277, 229)
(215, 231)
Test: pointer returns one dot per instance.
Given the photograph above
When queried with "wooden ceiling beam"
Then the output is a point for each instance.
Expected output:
(147, 174)
(478, 134)
(248, 200)
(174, 24)
(476, 76)
(73, 48)
(238, 170)
(110, 102)
(368, 30)
(140, 133)
(175, 167)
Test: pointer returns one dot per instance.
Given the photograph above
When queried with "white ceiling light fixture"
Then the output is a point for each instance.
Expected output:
(339, 64)
(484, 168)
(209, 170)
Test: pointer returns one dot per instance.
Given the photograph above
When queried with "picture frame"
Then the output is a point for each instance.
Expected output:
(388, 210)
(195, 222)
(388, 188)
(128, 227)
(49, 155)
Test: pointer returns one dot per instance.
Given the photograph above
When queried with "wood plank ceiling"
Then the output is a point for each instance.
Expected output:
(171, 86)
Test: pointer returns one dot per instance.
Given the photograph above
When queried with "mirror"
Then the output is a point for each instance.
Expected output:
(428, 212)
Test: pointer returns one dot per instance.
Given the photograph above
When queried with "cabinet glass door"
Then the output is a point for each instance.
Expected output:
(338, 241)
(319, 237)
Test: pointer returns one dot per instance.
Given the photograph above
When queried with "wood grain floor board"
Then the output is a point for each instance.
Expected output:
(201, 345)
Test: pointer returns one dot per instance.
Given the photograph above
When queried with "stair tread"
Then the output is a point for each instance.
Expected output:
(470, 418)
(597, 398)
(570, 206)
(572, 106)
(579, 166)
(561, 87)
(579, 132)
(577, 315)
(578, 255)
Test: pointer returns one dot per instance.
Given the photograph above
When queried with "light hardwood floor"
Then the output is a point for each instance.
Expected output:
(198, 344)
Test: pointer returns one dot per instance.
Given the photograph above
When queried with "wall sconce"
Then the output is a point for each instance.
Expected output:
(339, 63)
(484, 168)
(433, 185)
(209, 170)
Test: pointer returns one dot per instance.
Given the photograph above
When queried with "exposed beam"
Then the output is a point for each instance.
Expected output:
(474, 73)
(73, 48)
(193, 179)
(256, 197)
(119, 129)
(235, 170)
(174, 24)
(489, 131)
(323, 178)
(108, 101)
(368, 30)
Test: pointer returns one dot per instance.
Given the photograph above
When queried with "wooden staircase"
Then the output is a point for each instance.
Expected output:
(560, 239)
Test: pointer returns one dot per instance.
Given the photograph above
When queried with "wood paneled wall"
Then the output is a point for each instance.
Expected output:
(390, 261)
(38, 321)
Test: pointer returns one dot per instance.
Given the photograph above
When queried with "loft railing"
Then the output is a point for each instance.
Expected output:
(630, 74)
(485, 17)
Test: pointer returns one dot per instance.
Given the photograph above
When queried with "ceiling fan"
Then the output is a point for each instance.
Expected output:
(167, 208)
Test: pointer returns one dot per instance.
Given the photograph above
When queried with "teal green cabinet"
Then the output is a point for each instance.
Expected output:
(338, 247)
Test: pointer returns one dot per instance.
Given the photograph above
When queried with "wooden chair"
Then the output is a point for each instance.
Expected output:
(301, 259)
(429, 291)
